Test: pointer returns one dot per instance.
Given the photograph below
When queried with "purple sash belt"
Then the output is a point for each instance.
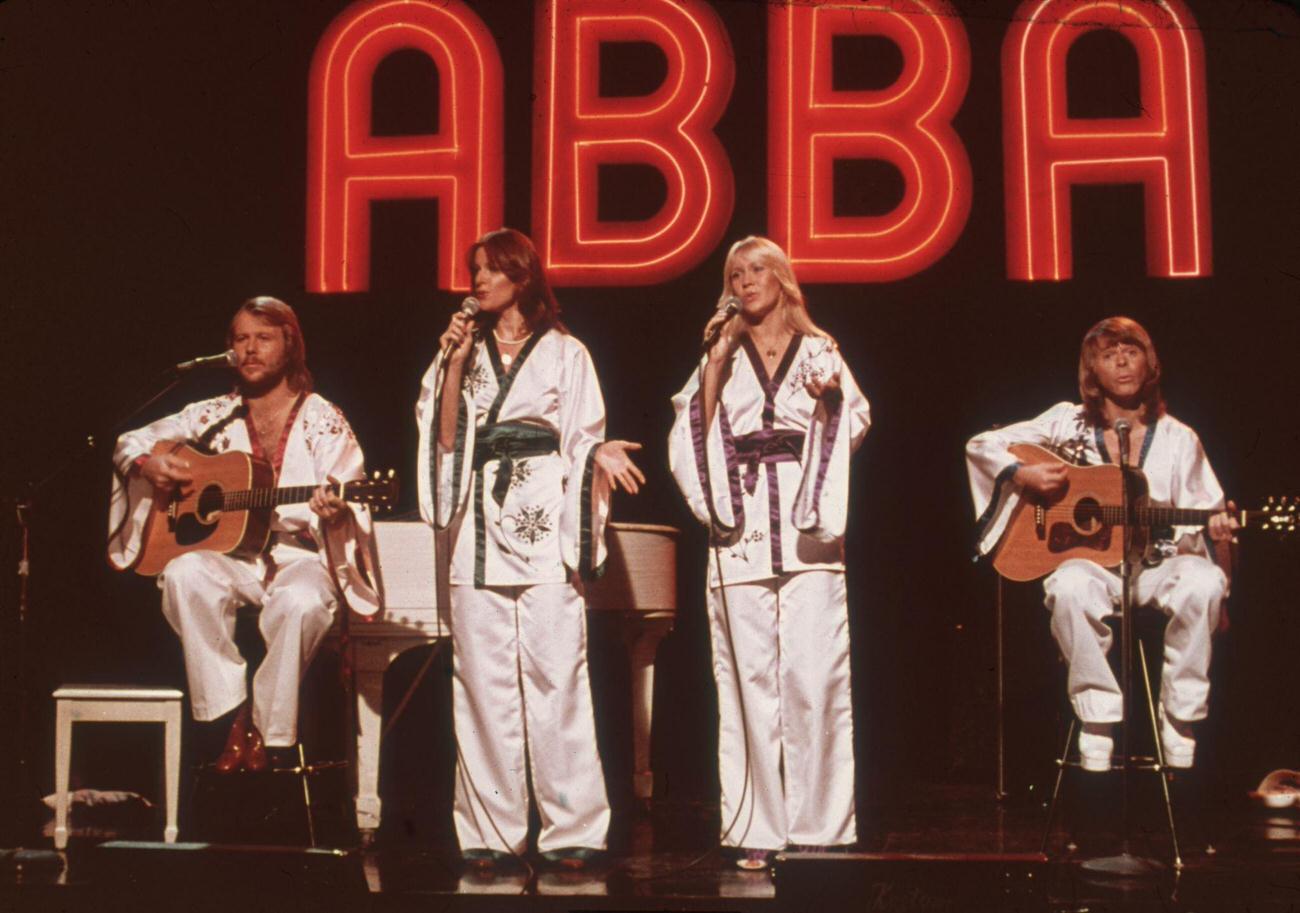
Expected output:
(767, 446)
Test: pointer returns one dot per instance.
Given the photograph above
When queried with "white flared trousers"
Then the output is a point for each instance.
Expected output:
(1188, 589)
(786, 761)
(521, 699)
(202, 591)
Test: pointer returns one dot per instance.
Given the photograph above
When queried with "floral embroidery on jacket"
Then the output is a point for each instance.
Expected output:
(531, 524)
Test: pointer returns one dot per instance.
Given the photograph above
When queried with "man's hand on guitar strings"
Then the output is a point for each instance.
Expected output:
(326, 504)
(165, 471)
(1044, 479)
(1223, 526)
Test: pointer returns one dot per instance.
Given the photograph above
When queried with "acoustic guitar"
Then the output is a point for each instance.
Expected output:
(227, 507)
(1084, 519)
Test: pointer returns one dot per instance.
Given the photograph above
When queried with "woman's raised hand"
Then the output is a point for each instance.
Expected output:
(724, 342)
(459, 337)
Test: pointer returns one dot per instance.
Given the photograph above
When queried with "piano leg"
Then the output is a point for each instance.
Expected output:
(642, 634)
(371, 659)
(372, 656)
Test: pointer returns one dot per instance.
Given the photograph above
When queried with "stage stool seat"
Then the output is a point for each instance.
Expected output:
(115, 704)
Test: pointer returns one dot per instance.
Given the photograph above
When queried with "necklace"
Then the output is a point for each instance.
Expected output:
(771, 349)
(507, 359)
(509, 342)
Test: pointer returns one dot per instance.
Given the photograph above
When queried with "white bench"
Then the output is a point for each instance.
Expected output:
(115, 704)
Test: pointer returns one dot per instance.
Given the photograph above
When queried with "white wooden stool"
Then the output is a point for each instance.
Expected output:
(115, 704)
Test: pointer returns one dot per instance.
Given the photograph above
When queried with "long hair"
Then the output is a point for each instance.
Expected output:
(1111, 332)
(512, 253)
(278, 314)
(792, 304)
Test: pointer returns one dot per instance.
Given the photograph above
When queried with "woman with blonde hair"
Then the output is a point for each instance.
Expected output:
(760, 449)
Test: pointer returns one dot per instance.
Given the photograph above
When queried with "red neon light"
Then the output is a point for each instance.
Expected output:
(347, 168)
(1164, 149)
(906, 124)
(577, 130)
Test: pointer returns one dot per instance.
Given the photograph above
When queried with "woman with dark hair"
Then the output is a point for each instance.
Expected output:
(1119, 379)
(760, 450)
(515, 466)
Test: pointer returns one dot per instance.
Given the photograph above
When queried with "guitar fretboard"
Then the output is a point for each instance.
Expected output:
(250, 498)
(1113, 515)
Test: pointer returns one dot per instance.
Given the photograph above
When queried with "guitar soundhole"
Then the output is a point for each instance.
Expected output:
(1087, 515)
(209, 504)
(193, 528)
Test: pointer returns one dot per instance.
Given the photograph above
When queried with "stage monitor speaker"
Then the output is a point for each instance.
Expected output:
(904, 882)
(207, 875)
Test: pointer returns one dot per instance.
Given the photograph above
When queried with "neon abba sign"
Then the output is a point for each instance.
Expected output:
(811, 125)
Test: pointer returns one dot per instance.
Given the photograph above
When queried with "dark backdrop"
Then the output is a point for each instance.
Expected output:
(152, 176)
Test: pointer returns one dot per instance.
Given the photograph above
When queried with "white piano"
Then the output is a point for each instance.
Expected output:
(640, 584)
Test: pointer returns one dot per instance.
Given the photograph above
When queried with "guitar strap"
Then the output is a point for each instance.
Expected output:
(204, 442)
(277, 459)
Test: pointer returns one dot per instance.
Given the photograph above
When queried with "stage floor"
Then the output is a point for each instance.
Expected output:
(931, 847)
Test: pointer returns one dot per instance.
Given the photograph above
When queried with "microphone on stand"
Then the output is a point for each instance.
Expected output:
(226, 359)
(1122, 429)
(469, 307)
(730, 307)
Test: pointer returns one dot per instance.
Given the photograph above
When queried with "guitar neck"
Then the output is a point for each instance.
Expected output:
(251, 498)
(1167, 516)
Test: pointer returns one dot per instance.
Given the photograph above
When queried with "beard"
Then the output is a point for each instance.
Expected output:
(268, 381)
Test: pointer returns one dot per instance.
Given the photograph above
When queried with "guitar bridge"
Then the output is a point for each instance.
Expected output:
(1040, 521)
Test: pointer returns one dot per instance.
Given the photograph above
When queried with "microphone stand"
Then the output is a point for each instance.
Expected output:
(23, 799)
(1125, 863)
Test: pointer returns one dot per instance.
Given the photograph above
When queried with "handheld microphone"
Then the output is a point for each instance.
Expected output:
(226, 358)
(1122, 428)
(469, 307)
(730, 307)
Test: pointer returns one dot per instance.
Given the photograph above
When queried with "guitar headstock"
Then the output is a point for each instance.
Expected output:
(1280, 514)
(379, 492)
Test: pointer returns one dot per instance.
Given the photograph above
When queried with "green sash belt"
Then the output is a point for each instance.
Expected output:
(507, 442)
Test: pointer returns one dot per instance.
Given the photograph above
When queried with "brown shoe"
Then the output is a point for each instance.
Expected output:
(232, 756)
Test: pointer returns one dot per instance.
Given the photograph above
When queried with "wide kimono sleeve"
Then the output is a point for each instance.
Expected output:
(442, 476)
(991, 466)
(131, 499)
(348, 544)
(700, 463)
(586, 491)
(839, 423)
(1194, 487)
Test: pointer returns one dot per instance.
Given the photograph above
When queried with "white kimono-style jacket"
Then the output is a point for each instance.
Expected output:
(319, 445)
(770, 476)
(518, 490)
(1176, 469)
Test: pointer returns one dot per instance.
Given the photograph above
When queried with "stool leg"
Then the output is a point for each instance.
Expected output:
(306, 795)
(62, 763)
(172, 767)
(1162, 772)
(1056, 789)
